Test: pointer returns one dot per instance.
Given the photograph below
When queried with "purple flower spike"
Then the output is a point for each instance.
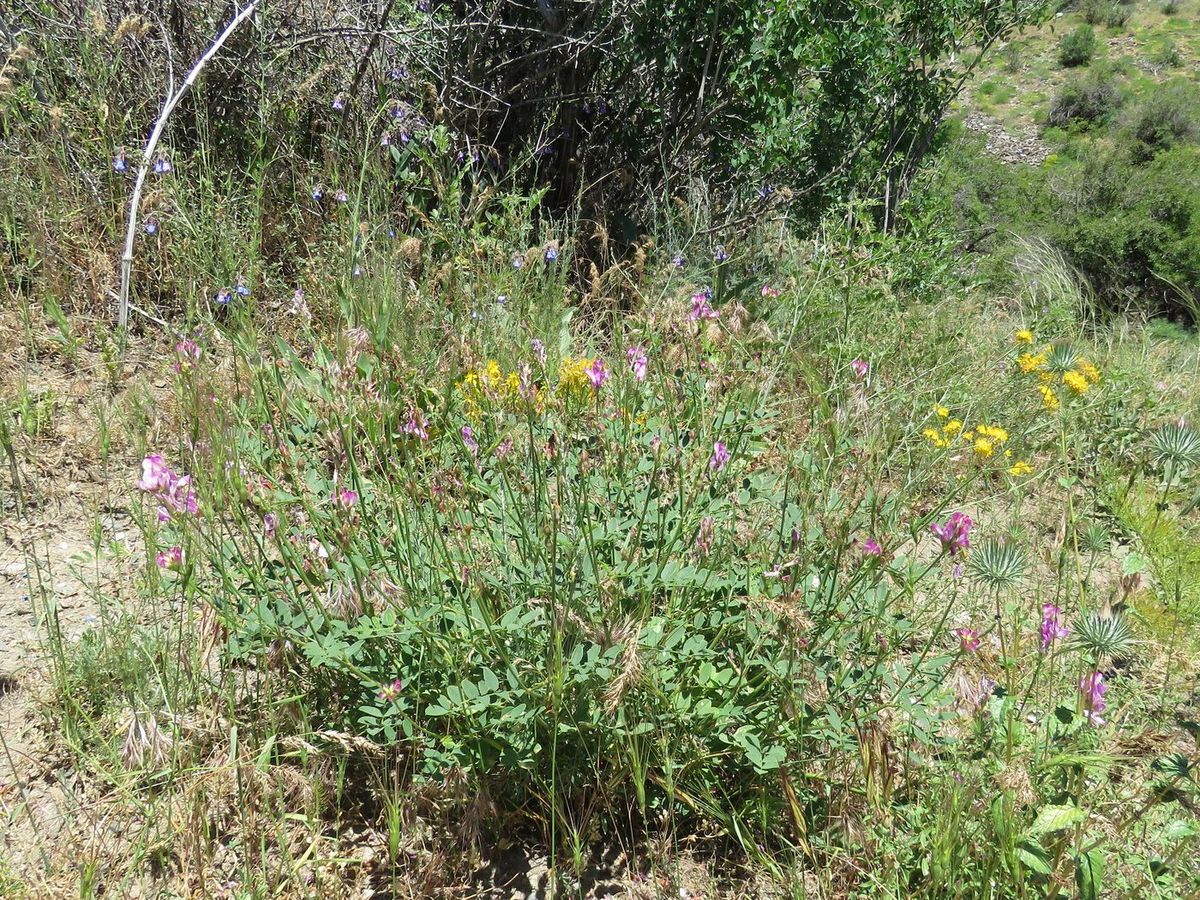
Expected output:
(955, 534)
(1053, 627)
(1093, 688)
(597, 373)
(720, 457)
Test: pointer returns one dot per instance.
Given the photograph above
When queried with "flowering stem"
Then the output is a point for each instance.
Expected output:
(169, 105)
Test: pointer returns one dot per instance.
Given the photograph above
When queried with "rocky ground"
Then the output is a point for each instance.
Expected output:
(1025, 148)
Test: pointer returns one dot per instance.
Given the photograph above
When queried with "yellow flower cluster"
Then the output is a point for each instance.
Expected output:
(492, 384)
(1031, 362)
(1020, 468)
(986, 438)
(944, 434)
(1083, 376)
(1076, 380)
(983, 440)
(1090, 372)
(1049, 398)
(572, 375)
(1024, 336)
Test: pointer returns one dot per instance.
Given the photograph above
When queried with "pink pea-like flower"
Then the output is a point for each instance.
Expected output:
(771, 292)
(156, 476)
(173, 492)
(346, 498)
(270, 524)
(1053, 628)
(860, 368)
(389, 693)
(701, 308)
(639, 363)
(187, 354)
(955, 534)
(719, 458)
(1093, 688)
(597, 374)
(468, 439)
(968, 639)
(416, 426)
(871, 547)
(171, 559)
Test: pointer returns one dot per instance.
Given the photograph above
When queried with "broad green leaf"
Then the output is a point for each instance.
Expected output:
(1055, 818)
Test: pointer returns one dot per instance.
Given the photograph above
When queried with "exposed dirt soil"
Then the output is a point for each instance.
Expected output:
(68, 551)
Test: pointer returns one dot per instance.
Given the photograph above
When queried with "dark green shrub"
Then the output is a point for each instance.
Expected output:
(1094, 12)
(1084, 100)
(1134, 230)
(1166, 55)
(1104, 12)
(1077, 47)
(617, 100)
(1168, 116)
(1170, 7)
(1118, 16)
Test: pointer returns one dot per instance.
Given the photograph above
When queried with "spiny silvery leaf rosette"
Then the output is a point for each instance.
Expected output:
(1176, 445)
(997, 563)
(1061, 358)
(1094, 538)
(1105, 636)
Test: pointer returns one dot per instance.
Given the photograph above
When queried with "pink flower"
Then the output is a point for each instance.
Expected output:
(1053, 627)
(539, 350)
(768, 291)
(701, 308)
(719, 458)
(270, 524)
(172, 559)
(346, 498)
(968, 639)
(187, 354)
(390, 693)
(173, 492)
(871, 547)
(416, 426)
(468, 439)
(955, 535)
(156, 476)
(597, 373)
(638, 362)
(1093, 688)
(504, 448)
(860, 368)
